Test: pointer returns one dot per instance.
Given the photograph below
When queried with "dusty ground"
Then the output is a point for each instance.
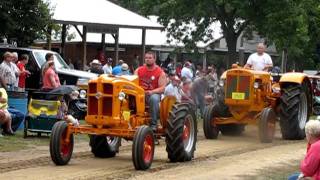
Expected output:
(225, 158)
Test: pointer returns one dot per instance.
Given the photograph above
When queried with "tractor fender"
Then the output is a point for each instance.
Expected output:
(293, 77)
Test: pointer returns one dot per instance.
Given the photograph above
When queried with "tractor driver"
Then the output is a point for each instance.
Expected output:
(153, 80)
(259, 61)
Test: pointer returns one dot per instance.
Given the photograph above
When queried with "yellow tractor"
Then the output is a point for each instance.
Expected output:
(255, 97)
(117, 109)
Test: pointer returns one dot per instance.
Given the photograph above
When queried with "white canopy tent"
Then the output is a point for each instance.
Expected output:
(99, 16)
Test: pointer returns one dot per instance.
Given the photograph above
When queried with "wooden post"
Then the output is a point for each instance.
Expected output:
(143, 45)
(63, 39)
(103, 42)
(241, 56)
(117, 46)
(49, 33)
(84, 45)
(204, 62)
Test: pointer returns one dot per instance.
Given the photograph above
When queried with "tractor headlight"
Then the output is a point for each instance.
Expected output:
(122, 95)
(256, 85)
(83, 94)
(221, 83)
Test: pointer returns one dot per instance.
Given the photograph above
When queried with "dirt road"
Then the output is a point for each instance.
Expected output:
(225, 158)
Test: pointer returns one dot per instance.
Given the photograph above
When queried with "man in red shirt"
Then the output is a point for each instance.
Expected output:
(153, 80)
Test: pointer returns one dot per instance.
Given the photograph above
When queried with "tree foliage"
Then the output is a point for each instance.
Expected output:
(24, 21)
(290, 24)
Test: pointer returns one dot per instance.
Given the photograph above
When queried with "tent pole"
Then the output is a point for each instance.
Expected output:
(117, 46)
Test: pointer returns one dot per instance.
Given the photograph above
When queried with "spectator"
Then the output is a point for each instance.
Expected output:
(135, 62)
(186, 91)
(153, 80)
(8, 71)
(50, 77)
(48, 57)
(14, 63)
(186, 71)
(95, 67)
(173, 88)
(310, 166)
(117, 69)
(107, 68)
(24, 73)
(124, 69)
(212, 78)
(5, 118)
(178, 69)
(71, 66)
(101, 56)
(199, 93)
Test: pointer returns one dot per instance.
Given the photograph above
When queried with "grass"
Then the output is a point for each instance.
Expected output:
(17, 142)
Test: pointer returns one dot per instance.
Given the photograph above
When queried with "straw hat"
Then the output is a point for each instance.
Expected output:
(124, 67)
(95, 61)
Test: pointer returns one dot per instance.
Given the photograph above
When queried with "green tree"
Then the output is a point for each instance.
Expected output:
(285, 23)
(24, 20)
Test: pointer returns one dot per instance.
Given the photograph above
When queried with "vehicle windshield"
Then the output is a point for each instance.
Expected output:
(59, 63)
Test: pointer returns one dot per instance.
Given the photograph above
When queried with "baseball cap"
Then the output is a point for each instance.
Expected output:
(124, 67)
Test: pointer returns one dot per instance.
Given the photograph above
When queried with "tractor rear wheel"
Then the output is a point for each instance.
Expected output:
(143, 148)
(211, 131)
(294, 111)
(60, 148)
(104, 146)
(231, 129)
(267, 124)
(181, 133)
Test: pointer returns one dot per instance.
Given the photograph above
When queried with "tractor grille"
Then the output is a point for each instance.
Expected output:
(237, 84)
(92, 105)
(92, 88)
(107, 106)
(107, 88)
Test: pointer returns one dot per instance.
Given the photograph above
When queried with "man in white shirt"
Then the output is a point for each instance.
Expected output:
(259, 61)
(107, 68)
(186, 71)
(172, 89)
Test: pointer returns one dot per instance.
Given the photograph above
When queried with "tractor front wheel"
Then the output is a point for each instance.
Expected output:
(104, 146)
(61, 148)
(294, 111)
(181, 133)
(211, 130)
(267, 124)
(143, 148)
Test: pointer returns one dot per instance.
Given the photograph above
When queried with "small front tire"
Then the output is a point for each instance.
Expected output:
(143, 148)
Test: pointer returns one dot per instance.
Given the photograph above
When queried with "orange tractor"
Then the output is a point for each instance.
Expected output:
(255, 97)
(116, 109)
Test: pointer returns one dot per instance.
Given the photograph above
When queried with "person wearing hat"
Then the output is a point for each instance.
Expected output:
(107, 68)
(124, 69)
(186, 71)
(172, 89)
(117, 69)
(95, 67)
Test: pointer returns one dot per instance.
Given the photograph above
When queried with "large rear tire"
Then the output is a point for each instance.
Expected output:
(210, 130)
(104, 146)
(181, 133)
(60, 149)
(143, 148)
(294, 111)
